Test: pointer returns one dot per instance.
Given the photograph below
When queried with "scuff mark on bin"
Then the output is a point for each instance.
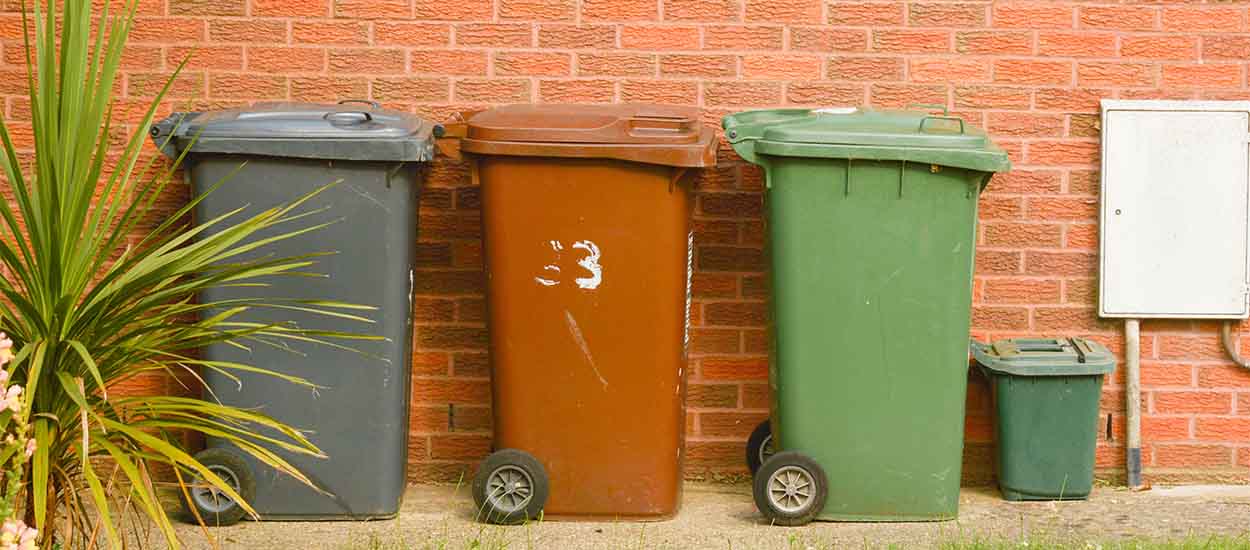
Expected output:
(369, 197)
(581, 342)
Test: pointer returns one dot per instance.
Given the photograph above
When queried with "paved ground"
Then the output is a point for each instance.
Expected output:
(723, 516)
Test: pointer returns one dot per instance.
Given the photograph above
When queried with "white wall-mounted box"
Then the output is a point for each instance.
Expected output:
(1175, 204)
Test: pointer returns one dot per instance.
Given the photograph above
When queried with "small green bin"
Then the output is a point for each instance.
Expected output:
(1045, 394)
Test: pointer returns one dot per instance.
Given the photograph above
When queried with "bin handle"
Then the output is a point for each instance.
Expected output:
(943, 117)
(1080, 353)
(373, 104)
(349, 117)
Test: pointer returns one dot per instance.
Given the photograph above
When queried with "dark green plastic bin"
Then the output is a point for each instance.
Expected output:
(1046, 394)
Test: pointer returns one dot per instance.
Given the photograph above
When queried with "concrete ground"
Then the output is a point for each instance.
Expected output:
(724, 517)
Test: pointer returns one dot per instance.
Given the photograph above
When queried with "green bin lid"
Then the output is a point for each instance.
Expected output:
(915, 136)
(1045, 357)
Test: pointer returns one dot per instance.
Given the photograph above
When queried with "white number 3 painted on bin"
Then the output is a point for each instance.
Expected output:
(590, 262)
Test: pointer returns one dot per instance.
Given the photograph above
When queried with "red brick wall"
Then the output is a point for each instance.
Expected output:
(1031, 72)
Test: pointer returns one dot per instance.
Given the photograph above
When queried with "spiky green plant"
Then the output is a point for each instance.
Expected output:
(90, 304)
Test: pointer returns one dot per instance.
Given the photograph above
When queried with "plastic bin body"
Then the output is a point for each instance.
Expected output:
(871, 250)
(359, 416)
(1045, 399)
(588, 257)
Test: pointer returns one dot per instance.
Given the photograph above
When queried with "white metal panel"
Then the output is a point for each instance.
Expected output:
(1175, 178)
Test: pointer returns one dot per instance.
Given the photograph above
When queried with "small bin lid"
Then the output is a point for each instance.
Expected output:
(851, 132)
(349, 130)
(641, 132)
(1045, 357)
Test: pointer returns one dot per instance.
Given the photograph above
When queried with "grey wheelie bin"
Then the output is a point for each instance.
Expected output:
(271, 154)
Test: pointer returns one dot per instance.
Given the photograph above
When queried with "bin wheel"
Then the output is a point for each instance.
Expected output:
(212, 504)
(790, 488)
(510, 487)
(760, 446)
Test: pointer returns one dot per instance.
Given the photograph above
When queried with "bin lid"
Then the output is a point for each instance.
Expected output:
(851, 132)
(348, 130)
(641, 132)
(1045, 357)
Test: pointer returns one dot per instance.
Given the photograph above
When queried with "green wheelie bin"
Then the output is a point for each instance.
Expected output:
(1045, 393)
(871, 223)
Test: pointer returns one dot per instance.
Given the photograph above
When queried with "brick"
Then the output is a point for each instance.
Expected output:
(1119, 17)
(371, 61)
(1033, 15)
(1202, 76)
(449, 447)
(1243, 403)
(873, 69)
(659, 91)
(1202, 19)
(1190, 347)
(1022, 291)
(577, 36)
(712, 396)
(397, 33)
(736, 205)
(1064, 319)
(1096, 73)
(1226, 47)
(823, 39)
(576, 91)
(1160, 47)
(207, 7)
(940, 14)
(470, 364)
(1032, 182)
(1000, 318)
(247, 86)
(743, 94)
(1081, 100)
(373, 9)
(1179, 402)
(991, 97)
(161, 30)
(450, 337)
(349, 34)
(994, 42)
(902, 95)
(1222, 429)
(406, 89)
(867, 14)
(1001, 208)
(1020, 124)
(533, 64)
(702, 10)
(1080, 291)
(1223, 376)
(460, 10)
(449, 62)
(911, 41)
(1081, 236)
(621, 10)
(1061, 263)
(1023, 235)
(538, 10)
(1164, 375)
(1063, 153)
(495, 35)
(1075, 44)
(746, 314)
(250, 31)
(290, 8)
(492, 91)
(733, 368)
(1165, 428)
(1061, 208)
(1017, 71)
(333, 88)
(221, 58)
(721, 258)
(958, 69)
(725, 424)
(698, 65)
(824, 93)
(786, 67)
(281, 59)
(664, 38)
(1190, 456)
(796, 12)
(616, 64)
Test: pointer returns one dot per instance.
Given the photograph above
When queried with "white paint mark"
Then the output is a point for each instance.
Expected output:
(589, 263)
(581, 342)
(545, 281)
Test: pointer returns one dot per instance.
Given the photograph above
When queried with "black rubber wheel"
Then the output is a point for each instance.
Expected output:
(212, 504)
(790, 488)
(510, 488)
(760, 446)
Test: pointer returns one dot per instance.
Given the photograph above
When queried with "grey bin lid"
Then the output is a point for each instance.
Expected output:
(1044, 357)
(348, 130)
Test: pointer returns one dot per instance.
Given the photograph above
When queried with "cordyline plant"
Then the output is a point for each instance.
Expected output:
(92, 299)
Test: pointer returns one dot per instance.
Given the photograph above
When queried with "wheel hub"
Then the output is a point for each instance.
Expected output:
(790, 489)
(509, 488)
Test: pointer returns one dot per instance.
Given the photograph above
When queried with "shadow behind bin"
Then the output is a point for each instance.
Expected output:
(588, 256)
(359, 419)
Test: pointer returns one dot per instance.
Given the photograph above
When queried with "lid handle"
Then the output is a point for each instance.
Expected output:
(1080, 353)
(644, 125)
(1044, 345)
(348, 117)
(373, 104)
(943, 117)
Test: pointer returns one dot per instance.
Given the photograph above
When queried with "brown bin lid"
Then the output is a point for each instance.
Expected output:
(641, 132)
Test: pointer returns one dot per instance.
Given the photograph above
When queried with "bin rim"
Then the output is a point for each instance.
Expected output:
(1074, 357)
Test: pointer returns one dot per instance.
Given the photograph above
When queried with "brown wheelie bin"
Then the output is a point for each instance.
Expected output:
(586, 213)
